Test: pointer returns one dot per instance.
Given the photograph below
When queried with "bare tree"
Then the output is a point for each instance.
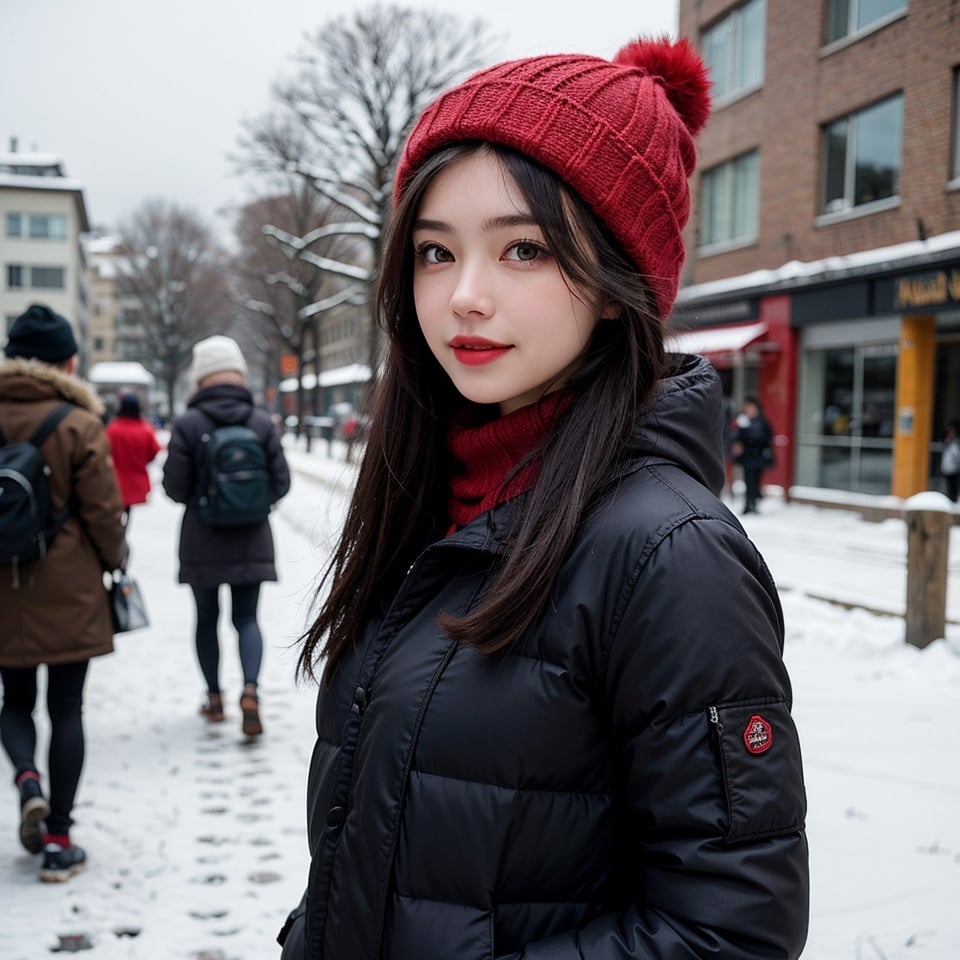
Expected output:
(285, 297)
(174, 270)
(341, 122)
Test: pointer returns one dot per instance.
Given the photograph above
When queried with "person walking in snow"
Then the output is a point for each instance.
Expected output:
(133, 442)
(241, 557)
(752, 446)
(54, 610)
(553, 718)
(950, 460)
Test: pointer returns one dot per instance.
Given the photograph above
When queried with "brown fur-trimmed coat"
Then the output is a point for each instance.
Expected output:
(58, 612)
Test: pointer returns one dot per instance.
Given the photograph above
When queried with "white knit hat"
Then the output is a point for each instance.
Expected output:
(214, 355)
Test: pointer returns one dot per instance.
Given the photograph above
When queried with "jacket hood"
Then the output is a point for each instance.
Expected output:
(684, 424)
(223, 402)
(29, 380)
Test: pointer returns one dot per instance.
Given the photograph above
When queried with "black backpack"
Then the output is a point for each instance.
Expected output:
(235, 482)
(27, 520)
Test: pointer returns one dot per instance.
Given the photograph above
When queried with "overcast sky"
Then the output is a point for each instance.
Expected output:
(145, 99)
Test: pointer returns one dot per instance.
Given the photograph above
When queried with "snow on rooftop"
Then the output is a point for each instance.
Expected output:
(120, 372)
(812, 269)
(26, 182)
(31, 158)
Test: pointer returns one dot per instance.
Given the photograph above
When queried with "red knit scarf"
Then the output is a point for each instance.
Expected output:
(488, 453)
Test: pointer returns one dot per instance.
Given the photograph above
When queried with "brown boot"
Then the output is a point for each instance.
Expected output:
(213, 708)
(250, 707)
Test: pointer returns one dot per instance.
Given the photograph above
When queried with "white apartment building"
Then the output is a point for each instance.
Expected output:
(42, 216)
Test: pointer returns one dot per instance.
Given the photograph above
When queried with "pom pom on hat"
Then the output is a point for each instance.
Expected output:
(214, 355)
(619, 133)
(683, 74)
(41, 334)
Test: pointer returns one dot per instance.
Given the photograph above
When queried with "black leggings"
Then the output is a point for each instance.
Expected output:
(19, 735)
(243, 612)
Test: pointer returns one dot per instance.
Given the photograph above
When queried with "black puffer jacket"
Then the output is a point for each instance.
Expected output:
(626, 783)
(210, 556)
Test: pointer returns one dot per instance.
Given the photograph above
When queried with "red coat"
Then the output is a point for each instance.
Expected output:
(134, 445)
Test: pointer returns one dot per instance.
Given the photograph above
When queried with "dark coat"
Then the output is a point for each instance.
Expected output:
(754, 440)
(209, 555)
(625, 782)
(59, 611)
(134, 445)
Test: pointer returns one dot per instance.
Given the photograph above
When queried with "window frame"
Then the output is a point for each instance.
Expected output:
(955, 132)
(730, 240)
(853, 11)
(37, 226)
(730, 86)
(20, 276)
(846, 205)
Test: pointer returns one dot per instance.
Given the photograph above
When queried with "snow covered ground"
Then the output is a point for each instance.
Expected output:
(196, 838)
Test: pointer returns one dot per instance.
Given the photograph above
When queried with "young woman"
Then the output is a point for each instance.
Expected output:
(553, 720)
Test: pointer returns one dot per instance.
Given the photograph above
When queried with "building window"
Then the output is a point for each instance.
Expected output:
(955, 160)
(847, 17)
(862, 156)
(730, 201)
(48, 226)
(846, 421)
(47, 278)
(733, 49)
(37, 278)
(37, 226)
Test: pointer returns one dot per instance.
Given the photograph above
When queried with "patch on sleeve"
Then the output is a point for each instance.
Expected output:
(758, 734)
(759, 763)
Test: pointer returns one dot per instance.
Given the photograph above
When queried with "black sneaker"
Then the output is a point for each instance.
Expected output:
(60, 863)
(34, 809)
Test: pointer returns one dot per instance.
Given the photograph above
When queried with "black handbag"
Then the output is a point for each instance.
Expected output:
(127, 607)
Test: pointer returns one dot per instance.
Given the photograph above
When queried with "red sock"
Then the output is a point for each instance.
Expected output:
(61, 839)
(27, 775)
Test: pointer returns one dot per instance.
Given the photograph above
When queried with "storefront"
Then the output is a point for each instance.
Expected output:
(856, 361)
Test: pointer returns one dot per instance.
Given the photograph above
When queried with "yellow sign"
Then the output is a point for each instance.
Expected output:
(937, 289)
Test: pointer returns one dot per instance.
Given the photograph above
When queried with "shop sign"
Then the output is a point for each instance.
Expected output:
(940, 288)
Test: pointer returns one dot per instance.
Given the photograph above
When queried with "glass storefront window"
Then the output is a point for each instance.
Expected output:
(847, 415)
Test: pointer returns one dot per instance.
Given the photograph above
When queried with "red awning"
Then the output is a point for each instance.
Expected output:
(722, 346)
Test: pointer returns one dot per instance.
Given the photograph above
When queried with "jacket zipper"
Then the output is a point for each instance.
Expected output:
(714, 715)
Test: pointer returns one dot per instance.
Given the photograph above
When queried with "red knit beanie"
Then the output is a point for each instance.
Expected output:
(619, 132)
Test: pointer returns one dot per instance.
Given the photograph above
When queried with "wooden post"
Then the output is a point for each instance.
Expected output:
(929, 518)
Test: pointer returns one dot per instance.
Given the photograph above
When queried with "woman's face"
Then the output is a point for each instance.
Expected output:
(493, 304)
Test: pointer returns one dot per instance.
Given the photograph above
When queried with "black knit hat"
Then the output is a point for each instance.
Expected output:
(129, 405)
(41, 334)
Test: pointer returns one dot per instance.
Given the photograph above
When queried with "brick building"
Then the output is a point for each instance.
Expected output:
(823, 269)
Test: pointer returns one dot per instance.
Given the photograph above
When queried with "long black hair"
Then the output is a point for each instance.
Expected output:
(399, 501)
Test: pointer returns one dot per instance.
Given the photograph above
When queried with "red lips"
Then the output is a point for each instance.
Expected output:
(476, 351)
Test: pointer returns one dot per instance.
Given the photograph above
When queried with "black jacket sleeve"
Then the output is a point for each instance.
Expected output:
(701, 702)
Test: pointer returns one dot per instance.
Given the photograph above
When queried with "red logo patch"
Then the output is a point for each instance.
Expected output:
(758, 735)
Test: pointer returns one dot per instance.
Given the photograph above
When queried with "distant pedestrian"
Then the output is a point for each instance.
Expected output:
(55, 613)
(752, 446)
(240, 556)
(950, 460)
(134, 445)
